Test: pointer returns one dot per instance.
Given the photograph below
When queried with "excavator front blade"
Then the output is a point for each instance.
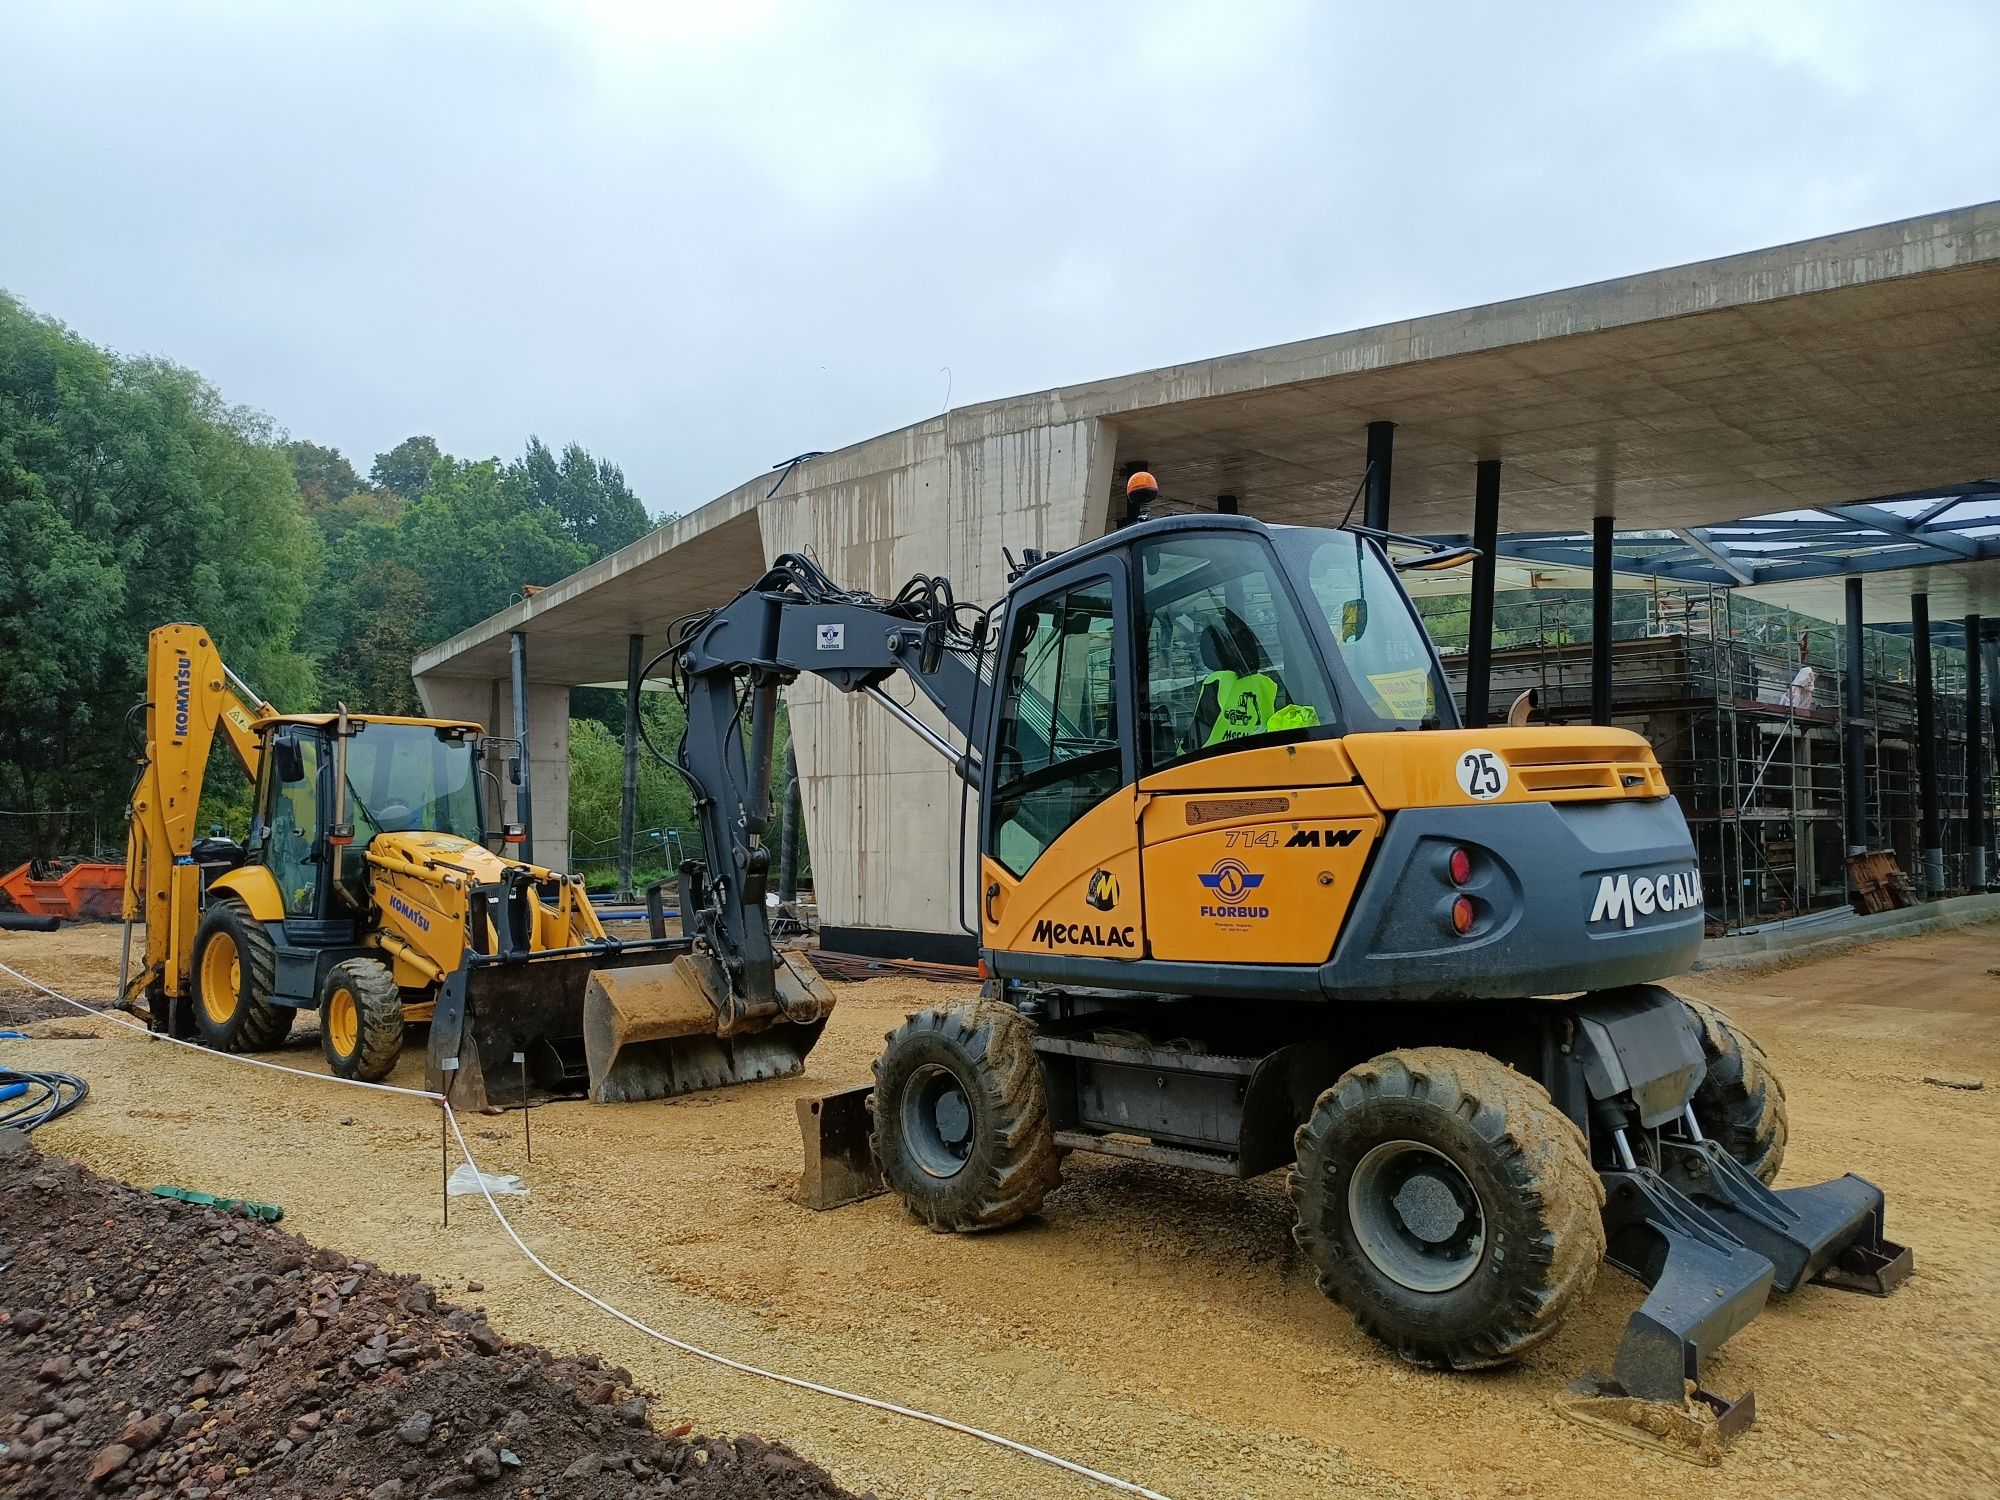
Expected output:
(665, 1029)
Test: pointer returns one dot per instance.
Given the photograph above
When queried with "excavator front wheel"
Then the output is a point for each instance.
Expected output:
(961, 1119)
(361, 1020)
(235, 967)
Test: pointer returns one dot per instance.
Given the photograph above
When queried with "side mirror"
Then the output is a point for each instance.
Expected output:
(288, 760)
(1353, 619)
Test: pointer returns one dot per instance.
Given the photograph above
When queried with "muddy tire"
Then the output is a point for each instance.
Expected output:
(1740, 1104)
(961, 1119)
(235, 970)
(361, 1019)
(1448, 1204)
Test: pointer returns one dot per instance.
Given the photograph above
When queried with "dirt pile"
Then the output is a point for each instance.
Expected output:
(150, 1348)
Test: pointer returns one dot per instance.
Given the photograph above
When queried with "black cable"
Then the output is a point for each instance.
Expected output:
(59, 1093)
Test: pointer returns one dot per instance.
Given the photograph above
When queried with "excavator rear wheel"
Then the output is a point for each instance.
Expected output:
(961, 1119)
(361, 1019)
(1448, 1204)
(235, 968)
(1740, 1104)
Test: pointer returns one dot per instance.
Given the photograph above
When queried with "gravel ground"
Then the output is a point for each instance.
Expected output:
(1153, 1323)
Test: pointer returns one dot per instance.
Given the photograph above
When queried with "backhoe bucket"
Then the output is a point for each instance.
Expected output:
(506, 1031)
(677, 1028)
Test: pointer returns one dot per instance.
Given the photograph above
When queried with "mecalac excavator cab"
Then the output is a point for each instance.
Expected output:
(1251, 897)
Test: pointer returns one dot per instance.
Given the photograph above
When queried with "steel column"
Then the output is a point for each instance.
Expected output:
(1600, 619)
(1854, 730)
(1485, 567)
(1975, 757)
(1381, 456)
(791, 838)
(524, 804)
(628, 800)
(1930, 831)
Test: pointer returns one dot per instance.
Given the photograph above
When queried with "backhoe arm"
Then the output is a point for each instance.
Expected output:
(190, 697)
(795, 620)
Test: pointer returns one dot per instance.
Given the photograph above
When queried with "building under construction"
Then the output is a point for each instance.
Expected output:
(1743, 704)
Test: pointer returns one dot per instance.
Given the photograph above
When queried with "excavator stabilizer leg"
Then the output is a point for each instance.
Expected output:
(667, 1029)
(840, 1164)
(1712, 1243)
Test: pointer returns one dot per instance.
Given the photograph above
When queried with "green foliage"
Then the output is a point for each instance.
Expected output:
(130, 495)
(406, 468)
(588, 497)
(324, 475)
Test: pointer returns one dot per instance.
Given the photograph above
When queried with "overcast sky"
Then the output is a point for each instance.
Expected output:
(701, 238)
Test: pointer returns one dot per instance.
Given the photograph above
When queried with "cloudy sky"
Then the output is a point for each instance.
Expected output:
(699, 238)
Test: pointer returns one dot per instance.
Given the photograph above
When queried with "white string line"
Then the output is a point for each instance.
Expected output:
(451, 1116)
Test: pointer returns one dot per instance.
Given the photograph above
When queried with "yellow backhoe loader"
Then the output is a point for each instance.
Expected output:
(366, 890)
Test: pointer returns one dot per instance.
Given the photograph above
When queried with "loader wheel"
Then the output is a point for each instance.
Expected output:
(1740, 1104)
(1448, 1204)
(235, 969)
(361, 1019)
(961, 1120)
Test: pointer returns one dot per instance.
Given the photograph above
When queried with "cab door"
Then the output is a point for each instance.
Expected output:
(1256, 829)
(1060, 869)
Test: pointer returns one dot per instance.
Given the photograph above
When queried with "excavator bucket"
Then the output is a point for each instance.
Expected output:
(676, 1028)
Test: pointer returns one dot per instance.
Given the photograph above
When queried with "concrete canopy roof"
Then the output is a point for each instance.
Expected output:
(1827, 372)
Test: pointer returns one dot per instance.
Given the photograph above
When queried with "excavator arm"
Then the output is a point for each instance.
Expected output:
(191, 696)
(729, 664)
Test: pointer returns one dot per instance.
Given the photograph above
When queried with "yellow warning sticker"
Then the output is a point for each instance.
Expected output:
(1407, 695)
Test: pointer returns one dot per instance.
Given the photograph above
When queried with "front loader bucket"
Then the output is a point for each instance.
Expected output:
(1712, 1243)
(505, 1031)
(675, 1028)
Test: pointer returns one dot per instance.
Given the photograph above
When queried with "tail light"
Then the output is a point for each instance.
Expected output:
(1462, 915)
(1460, 866)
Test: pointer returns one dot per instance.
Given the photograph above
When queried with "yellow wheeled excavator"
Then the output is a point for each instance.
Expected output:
(366, 890)
(1251, 898)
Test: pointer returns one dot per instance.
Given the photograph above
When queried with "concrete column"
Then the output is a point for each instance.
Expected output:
(1855, 730)
(1930, 831)
(1601, 533)
(628, 801)
(1479, 632)
(1381, 457)
(1975, 755)
(547, 734)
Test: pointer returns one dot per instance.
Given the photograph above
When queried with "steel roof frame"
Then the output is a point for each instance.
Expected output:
(1816, 542)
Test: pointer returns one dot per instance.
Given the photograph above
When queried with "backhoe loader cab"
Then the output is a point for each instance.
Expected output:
(1251, 897)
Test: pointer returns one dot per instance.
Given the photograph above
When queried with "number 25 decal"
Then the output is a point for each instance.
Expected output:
(1482, 774)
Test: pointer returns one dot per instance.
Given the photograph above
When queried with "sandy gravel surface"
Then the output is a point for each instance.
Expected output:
(1155, 1323)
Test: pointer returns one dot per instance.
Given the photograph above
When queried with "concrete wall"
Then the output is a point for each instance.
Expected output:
(881, 808)
(490, 701)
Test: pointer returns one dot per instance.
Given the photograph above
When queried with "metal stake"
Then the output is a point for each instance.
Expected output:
(527, 1131)
(449, 1067)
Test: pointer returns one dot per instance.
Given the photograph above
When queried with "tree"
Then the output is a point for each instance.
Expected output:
(324, 475)
(475, 541)
(590, 497)
(406, 468)
(130, 495)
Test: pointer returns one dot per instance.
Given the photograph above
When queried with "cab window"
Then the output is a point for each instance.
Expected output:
(1056, 753)
(1376, 633)
(1227, 655)
(292, 848)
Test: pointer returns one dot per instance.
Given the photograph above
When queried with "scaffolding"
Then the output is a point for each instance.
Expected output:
(1742, 703)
